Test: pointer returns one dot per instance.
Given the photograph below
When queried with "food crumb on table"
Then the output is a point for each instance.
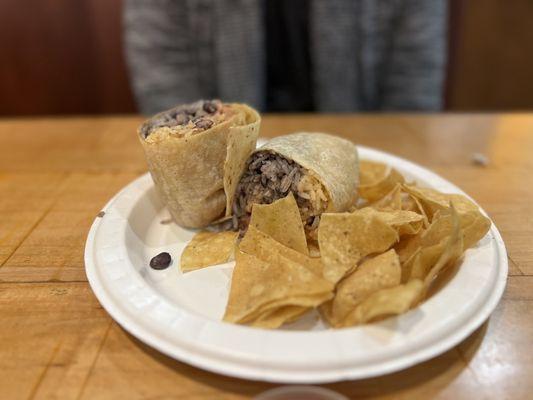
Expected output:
(479, 159)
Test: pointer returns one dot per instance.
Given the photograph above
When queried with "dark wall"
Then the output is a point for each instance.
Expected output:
(65, 57)
(62, 57)
(492, 55)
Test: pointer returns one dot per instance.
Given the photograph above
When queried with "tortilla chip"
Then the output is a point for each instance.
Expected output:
(474, 227)
(256, 283)
(476, 230)
(282, 221)
(207, 248)
(452, 252)
(376, 180)
(279, 316)
(473, 223)
(420, 263)
(398, 199)
(432, 200)
(391, 201)
(439, 230)
(345, 238)
(303, 301)
(264, 247)
(405, 222)
(377, 273)
(386, 302)
(411, 203)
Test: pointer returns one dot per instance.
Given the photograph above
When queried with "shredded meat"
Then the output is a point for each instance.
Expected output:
(269, 177)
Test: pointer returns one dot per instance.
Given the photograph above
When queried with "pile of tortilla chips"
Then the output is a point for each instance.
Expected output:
(379, 259)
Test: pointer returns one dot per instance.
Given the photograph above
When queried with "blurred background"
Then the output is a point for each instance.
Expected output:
(68, 57)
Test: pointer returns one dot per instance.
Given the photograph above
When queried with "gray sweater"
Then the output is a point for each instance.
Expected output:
(366, 54)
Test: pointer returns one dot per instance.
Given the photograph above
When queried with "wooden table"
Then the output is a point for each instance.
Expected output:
(56, 341)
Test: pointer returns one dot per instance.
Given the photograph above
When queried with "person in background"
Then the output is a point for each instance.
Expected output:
(279, 55)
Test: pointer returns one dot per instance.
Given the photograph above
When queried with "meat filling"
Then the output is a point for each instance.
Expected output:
(269, 177)
(188, 119)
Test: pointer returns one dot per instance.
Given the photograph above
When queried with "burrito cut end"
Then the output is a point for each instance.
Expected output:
(269, 177)
(319, 169)
(186, 119)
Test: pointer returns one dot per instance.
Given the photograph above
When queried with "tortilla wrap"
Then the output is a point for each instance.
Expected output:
(196, 171)
(331, 159)
(321, 170)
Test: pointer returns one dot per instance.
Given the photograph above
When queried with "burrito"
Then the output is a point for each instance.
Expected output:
(196, 153)
(320, 170)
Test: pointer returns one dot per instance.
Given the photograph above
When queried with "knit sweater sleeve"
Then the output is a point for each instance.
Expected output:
(415, 71)
(157, 45)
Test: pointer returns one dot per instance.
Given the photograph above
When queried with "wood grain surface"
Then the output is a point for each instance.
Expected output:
(56, 341)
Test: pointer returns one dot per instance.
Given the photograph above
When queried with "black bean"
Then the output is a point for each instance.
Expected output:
(203, 123)
(161, 261)
(210, 107)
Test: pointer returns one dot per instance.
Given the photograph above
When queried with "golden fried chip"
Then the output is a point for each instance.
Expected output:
(397, 199)
(474, 231)
(207, 248)
(420, 263)
(371, 172)
(256, 283)
(264, 247)
(432, 200)
(474, 226)
(411, 203)
(439, 230)
(303, 301)
(376, 180)
(405, 222)
(391, 201)
(279, 316)
(473, 223)
(345, 238)
(377, 273)
(282, 221)
(451, 253)
(386, 302)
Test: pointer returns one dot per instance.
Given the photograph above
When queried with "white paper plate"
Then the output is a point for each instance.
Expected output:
(180, 314)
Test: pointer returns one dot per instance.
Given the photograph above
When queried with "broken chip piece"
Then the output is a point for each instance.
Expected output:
(208, 248)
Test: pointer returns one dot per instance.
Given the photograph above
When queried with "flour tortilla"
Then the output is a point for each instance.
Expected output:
(330, 159)
(196, 176)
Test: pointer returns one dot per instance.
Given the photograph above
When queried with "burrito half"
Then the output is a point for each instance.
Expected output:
(320, 170)
(196, 153)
